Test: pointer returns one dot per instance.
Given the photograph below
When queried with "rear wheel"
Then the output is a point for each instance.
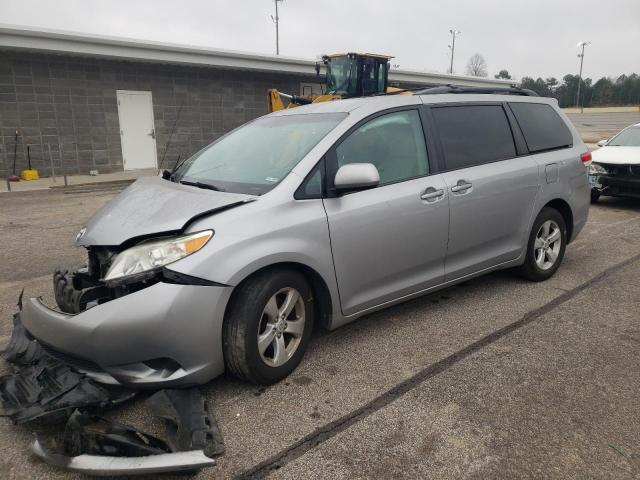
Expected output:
(267, 326)
(546, 246)
(595, 196)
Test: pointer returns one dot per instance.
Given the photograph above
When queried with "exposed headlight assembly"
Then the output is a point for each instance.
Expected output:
(597, 169)
(153, 254)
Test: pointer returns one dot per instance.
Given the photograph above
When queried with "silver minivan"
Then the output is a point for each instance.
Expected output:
(313, 215)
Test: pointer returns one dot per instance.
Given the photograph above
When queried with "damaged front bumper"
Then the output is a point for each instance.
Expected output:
(618, 181)
(620, 186)
(166, 334)
(40, 388)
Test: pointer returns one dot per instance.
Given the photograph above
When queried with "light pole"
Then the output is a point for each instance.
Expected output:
(581, 55)
(276, 20)
(453, 47)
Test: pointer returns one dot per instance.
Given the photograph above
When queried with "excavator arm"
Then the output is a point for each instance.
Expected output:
(275, 103)
(275, 100)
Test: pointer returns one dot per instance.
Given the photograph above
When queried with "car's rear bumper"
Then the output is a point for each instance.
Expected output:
(166, 334)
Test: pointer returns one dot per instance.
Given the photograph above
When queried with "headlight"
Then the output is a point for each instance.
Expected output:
(153, 254)
(596, 169)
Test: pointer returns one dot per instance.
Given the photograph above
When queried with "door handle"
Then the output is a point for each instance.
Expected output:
(431, 193)
(461, 186)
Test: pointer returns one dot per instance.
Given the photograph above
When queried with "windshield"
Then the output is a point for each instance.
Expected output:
(257, 156)
(343, 76)
(626, 138)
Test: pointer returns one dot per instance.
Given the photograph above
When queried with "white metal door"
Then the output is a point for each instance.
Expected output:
(137, 133)
(310, 89)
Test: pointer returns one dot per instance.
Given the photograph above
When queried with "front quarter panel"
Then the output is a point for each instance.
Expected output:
(260, 234)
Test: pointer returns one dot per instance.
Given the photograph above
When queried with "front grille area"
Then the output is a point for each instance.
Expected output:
(620, 185)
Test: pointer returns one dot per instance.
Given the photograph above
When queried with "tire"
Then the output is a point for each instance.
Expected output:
(254, 313)
(595, 196)
(538, 266)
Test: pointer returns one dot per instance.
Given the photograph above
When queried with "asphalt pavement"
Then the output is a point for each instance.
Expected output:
(596, 126)
(494, 378)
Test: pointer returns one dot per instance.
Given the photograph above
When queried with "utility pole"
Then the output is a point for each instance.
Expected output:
(276, 20)
(581, 55)
(453, 47)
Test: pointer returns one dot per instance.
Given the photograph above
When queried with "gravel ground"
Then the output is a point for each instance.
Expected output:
(496, 377)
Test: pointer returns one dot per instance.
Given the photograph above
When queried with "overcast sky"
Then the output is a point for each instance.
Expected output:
(533, 38)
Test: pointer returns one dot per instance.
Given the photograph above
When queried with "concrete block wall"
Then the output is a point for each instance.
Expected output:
(68, 104)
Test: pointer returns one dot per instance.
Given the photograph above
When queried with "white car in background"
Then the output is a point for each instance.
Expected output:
(615, 170)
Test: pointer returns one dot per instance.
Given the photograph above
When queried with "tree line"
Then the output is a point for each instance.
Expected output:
(624, 90)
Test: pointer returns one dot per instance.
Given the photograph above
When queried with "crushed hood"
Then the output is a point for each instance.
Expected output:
(617, 155)
(152, 205)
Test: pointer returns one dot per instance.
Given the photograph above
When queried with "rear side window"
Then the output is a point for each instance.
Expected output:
(542, 127)
(473, 135)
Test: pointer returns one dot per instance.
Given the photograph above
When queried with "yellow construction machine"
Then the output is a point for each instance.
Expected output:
(347, 75)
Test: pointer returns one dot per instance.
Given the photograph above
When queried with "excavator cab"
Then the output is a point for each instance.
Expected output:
(348, 75)
(356, 74)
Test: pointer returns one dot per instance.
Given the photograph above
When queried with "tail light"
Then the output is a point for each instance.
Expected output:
(586, 158)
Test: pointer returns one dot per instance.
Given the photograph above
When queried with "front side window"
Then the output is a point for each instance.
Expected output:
(394, 143)
(473, 135)
(311, 188)
(257, 156)
(629, 137)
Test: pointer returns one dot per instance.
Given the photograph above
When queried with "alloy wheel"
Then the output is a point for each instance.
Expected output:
(547, 245)
(281, 327)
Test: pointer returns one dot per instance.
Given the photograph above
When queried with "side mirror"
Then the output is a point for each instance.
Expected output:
(602, 143)
(356, 176)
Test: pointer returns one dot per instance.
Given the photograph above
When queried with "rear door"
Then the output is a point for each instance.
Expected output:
(389, 241)
(492, 184)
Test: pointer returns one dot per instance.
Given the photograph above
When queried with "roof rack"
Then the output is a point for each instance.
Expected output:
(511, 90)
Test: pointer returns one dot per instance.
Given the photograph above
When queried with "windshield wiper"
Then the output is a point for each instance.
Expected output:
(206, 186)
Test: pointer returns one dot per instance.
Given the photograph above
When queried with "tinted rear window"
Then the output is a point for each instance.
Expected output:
(473, 135)
(542, 127)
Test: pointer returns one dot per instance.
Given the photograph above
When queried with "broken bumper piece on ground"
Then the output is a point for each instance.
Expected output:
(97, 446)
(102, 465)
(188, 421)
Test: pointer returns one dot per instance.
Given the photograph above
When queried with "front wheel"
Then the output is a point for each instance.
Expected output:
(595, 196)
(267, 326)
(545, 249)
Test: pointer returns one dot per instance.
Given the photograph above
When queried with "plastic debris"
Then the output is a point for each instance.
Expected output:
(22, 348)
(95, 435)
(43, 388)
(49, 391)
(188, 421)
